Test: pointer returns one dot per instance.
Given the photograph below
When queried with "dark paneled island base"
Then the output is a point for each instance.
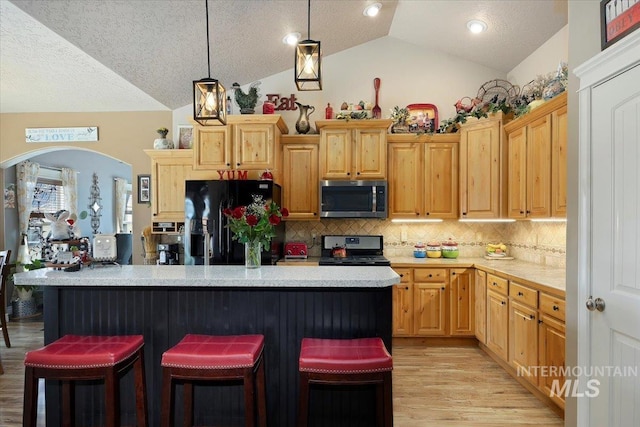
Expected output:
(165, 314)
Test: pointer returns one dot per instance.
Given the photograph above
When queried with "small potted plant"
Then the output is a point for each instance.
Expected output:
(163, 143)
(399, 117)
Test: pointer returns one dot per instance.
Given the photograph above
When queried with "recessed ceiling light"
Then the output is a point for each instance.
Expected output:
(476, 26)
(291, 39)
(372, 10)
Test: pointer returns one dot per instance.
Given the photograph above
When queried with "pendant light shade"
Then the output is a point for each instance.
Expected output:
(209, 95)
(308, 61)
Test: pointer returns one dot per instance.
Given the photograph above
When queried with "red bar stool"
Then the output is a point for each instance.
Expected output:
(215, 358)
(346, 362)
(81, 358)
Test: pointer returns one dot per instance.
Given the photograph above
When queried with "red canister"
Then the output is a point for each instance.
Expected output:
(268, 107)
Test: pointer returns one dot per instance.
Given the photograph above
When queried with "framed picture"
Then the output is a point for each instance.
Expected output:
(144, 188)
(618, 18)
(185, 136)
(423, 118)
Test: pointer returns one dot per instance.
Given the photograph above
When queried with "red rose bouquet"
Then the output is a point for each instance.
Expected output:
(255, 223)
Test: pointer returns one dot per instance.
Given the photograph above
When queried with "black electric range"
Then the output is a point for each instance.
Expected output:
(360, 251)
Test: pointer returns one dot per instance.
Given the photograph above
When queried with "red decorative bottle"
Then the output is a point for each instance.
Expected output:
(328, 112)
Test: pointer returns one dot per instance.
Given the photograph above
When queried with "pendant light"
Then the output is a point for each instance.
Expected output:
(308, 72)
(209, 95)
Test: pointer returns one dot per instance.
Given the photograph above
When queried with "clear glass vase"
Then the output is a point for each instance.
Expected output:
(252, 254)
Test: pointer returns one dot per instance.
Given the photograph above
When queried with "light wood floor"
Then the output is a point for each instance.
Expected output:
(432, 386)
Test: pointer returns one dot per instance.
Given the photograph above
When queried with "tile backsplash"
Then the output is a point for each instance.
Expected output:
(541, 243)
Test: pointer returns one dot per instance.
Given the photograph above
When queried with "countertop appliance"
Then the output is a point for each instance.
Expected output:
(295, 250)
(168, 253)
(360, 250)
(353, 199)
(207, 240)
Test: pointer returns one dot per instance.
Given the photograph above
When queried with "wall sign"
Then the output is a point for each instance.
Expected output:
(618, 18)
(283, 103)
(75, 134)
(233, 175)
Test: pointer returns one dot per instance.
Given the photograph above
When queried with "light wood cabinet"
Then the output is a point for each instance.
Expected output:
(433, 302)
(551, 349)
(430, 307)
(300, 176)
(353, 150)
(403, 304)
(559, 162)
(537, 162)
(480, 302)
(244, 144)
(523, 331)
(461, 301)
(483, 168)
(423, 176)
(169, 171)
(497, 323)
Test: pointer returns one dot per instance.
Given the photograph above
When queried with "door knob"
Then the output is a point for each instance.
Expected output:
(595, 304)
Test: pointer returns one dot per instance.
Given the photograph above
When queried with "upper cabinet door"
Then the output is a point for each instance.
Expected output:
(335, 154)
(539, 168)
(370, 154)
(300, 185)
(559, 162)
(441, 180)
(405, 180)
(253, 146)
(480, 169)
(517, 199)
(212, 148)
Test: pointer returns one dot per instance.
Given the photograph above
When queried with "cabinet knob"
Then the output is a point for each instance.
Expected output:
(464, 213)
(406, 289)
(453, 272)
(401, 275)
(417, 213)
(431, 275)
(357, 173)
(442, 288)
(556, 308)
(540, 322)
(315, 213)
(427, 213)
(348, 173)
(521, 212)
(528, 212)
(228, 164)
(520, 294)
(237, 164)
(531, 316)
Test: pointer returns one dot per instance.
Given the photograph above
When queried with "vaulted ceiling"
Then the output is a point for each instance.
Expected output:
(126, 55)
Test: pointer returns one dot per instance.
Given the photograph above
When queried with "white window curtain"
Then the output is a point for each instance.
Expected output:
(27, 175)
(70, 185)
(121, 203)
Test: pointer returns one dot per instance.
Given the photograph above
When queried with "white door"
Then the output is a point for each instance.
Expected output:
(615, 252)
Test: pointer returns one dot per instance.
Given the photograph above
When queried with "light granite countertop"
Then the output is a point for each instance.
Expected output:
(213, 276)
(546, 278)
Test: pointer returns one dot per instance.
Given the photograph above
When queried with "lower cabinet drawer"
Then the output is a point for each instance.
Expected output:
(430, 275)
(497, 284)
(553, 306)
(523, 294)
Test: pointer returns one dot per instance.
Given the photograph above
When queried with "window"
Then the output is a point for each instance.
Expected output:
(127, 226)
(48, 197)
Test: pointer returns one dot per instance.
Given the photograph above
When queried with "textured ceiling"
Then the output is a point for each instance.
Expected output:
(143, 54)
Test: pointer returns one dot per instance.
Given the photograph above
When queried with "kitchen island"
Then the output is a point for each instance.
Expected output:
(164, 303)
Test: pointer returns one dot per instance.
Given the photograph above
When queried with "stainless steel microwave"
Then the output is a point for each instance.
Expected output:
(353, 199)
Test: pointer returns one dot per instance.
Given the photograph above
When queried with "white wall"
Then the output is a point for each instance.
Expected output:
(409, 74)
(543, 60)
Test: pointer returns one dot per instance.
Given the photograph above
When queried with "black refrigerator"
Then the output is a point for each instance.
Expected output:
(207, 240)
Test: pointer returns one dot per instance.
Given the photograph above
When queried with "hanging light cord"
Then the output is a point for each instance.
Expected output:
(309, 20)
(206, 5)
